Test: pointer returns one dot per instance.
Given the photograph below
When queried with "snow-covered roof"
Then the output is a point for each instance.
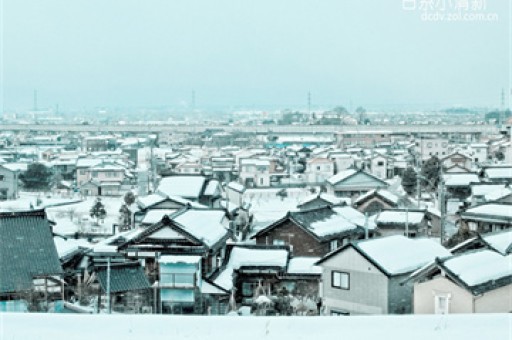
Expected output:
(499, 172)
(184, 186)
(155, 215)
(480, 266)
(393, 216)
(304, 265)
(213, 188)
(149, 200)
(323, 196)
(236, 186)
(460, 179)
(334, 224)
(386, 194)
(206, 225)
(340, 176)
(485, 189)
(16, 167)
(399, 255)
(501, 241)
(66, 247)
(240, 257)
(491, 209)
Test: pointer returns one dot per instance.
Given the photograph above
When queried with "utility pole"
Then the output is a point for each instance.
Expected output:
(406, 222)
(109, 305)
(418, 189)
(366, 225)
(442, 204)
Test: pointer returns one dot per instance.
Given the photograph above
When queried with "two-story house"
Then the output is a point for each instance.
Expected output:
(366, 277)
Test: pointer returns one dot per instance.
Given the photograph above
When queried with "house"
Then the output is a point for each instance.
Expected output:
(186, 232)
(353, 183)
(318, 170)
(478, 281)
(183, 290)
(457, 158)
(408, 222)
(194, 188)
(488, 217)
(129, 288)
(8, 183)
(321, 200)
(179, 284)
(365, 277)
(255, 172)
(342, 160)
(436, 146)
(498, 174)
(480, 152)
(251, 271)
(379, 164)
(376, 200)
(458, 185)
(29, 260)
(484, 192)
(235, 193)
(314, 232)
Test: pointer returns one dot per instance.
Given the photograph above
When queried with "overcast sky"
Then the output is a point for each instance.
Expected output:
(111, 53)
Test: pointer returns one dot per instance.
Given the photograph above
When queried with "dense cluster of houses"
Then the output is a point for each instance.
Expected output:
(302, 225)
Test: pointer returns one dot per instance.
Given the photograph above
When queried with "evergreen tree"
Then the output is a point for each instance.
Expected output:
(409, 178)
(98, 211)
(430, 170)
(37, 176)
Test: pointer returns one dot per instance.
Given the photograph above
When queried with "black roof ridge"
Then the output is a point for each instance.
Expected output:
(24, 213)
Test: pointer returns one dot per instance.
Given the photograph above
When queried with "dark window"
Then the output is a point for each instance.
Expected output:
(340, 280)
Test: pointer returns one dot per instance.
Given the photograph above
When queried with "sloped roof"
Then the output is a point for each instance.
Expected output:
(384, 194)
(183, 186)
(346, 174)
(395, 255)
(26, 250)
(123, 277)
(322, 222)
(479, 271)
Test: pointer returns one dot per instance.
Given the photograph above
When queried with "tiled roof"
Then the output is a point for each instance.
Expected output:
(123, 278)
(26, 250)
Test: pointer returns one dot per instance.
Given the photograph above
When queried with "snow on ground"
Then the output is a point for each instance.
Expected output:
(75, 217)
(16, 326)
(29, 201)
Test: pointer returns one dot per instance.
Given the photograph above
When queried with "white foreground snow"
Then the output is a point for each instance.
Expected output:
(15, 326)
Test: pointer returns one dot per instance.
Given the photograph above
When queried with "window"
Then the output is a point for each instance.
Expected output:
(95, 174)
(1, 178)
(333, 245)
(380, 163)
(340, 280)
(442, 303)
(277, 242)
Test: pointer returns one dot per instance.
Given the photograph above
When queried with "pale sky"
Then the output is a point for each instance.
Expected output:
(136, 53)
